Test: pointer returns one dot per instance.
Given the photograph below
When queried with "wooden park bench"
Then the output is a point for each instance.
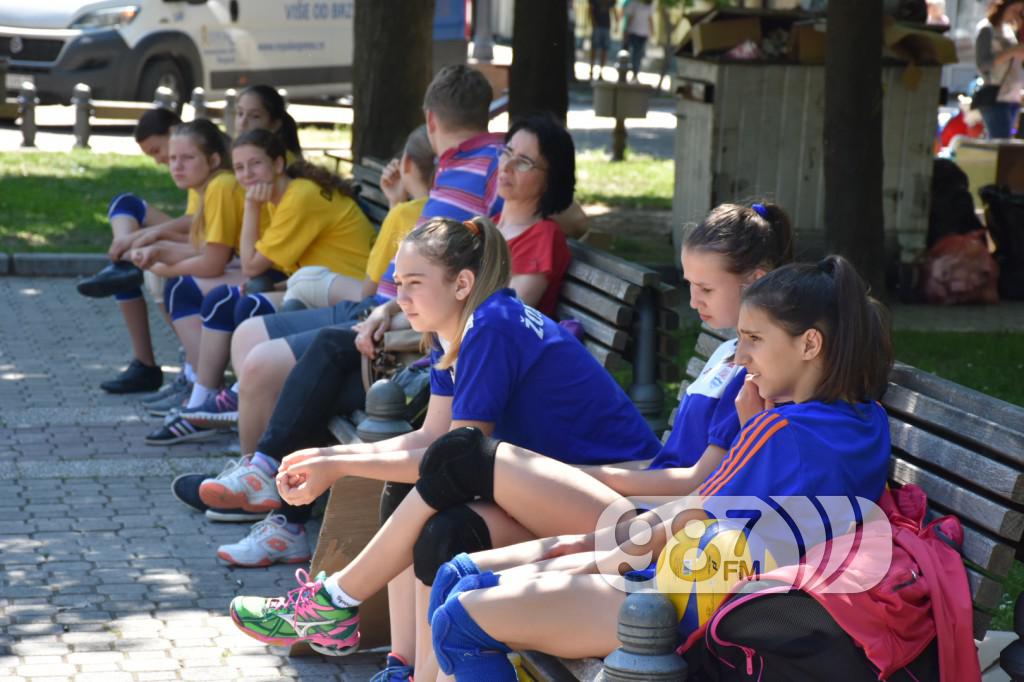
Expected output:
(627, 315)
(965, 449)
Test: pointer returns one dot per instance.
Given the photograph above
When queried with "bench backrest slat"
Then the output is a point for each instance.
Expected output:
(631, 272)
(968, 400)
(974, 469)
(978, 431)
(612, 286)
(596, 303)
(600, 331)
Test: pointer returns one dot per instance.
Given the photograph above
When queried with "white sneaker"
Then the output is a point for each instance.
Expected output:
(242, 485)
(267, 542)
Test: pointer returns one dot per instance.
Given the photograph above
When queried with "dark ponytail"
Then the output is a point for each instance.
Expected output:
(747, 237)
(273, 145)
(276, 109)
(831, 297)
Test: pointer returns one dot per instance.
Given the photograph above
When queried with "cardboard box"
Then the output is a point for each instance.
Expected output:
(719, 36)
(807, 43)
(920, 46)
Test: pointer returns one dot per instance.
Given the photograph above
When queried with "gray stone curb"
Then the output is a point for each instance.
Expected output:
(52, 264)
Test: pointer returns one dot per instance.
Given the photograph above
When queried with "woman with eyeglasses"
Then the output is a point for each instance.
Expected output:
(536, 179)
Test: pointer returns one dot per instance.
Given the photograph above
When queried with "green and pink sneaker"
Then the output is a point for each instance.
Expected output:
(305, 614)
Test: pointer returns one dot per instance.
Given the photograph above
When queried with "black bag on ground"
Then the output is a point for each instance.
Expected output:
(952, 209)
(777, 637)
(1005, 213)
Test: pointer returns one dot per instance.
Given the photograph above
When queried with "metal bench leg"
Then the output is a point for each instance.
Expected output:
(645, 391)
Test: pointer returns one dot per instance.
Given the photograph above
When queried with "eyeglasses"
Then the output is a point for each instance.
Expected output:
(520, 163)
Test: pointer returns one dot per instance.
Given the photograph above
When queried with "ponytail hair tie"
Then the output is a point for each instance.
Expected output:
(760, 210)
(472, 227)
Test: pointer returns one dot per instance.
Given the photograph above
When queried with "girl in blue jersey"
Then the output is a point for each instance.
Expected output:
(498, 366)
(733, 247)
(817, 354)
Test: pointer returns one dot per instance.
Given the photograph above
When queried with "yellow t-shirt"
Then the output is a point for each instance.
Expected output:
(311, 227)
(397, 223)
(193, 202)
(223, 206)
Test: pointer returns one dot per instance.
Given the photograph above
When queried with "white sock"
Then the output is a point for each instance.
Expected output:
(199, 395)
(340, 598)
(190, 373)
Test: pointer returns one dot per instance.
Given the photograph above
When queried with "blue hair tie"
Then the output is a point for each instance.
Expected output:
(760, 210)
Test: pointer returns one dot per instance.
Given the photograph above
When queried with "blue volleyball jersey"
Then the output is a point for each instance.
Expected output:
(707, 412)
(540, 387)
(807, 449)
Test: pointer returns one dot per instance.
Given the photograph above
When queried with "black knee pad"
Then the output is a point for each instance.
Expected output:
(448, 533)
(457, 468)
(391, 497)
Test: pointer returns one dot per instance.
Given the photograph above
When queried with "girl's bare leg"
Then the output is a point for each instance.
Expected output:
(136, 319)
(249, 334)
(547, 496)
(540, 613)
(265, 369)
(402, 593)
(214, 345)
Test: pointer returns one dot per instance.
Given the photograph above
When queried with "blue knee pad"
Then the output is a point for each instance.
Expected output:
(463, 649)
(218, 309)
(129, 205)
(123, 296)
(182, 297)
(252, 305)
(450, 573)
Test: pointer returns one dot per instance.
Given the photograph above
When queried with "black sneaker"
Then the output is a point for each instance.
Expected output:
(136, 378)
(177, 430)
(116, 278)
(186, 489)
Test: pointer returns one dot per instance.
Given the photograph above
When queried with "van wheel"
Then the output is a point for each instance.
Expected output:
(162, 72)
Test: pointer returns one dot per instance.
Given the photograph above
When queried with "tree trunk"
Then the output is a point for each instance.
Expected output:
(538, 80)
(853, 137)
(391, 71)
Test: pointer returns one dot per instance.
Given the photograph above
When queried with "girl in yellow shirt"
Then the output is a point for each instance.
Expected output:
(310, 219)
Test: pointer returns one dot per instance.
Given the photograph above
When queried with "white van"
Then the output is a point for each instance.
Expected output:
(125, 49)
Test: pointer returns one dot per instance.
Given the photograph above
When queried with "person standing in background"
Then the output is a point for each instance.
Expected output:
(998, 57)
(638, 16)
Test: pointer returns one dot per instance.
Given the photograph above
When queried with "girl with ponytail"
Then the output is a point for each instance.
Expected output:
(497, 366)
(293, 216)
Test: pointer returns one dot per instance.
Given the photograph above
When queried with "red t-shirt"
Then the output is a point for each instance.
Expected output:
(542, 249)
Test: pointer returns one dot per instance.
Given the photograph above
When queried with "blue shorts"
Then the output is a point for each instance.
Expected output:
(601, 38)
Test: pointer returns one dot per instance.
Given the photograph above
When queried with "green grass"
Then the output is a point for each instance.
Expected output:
(640, 181)
(58, 202)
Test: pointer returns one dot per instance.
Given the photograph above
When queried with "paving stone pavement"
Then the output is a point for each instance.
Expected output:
(104, 576)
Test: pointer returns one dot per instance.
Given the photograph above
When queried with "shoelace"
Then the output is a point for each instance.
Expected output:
(267, 525)
(234, 464)
(297, 597)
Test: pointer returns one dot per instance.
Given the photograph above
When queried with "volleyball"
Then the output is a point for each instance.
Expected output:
(699, 566)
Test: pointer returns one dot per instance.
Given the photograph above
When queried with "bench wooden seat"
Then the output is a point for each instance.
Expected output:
(965, 449)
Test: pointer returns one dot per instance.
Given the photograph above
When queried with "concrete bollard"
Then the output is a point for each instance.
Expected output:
(647, 630)
(385, 408)
(230, 107)
(27, 102)
(164, 98)
(81, 98)
(199, 103)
